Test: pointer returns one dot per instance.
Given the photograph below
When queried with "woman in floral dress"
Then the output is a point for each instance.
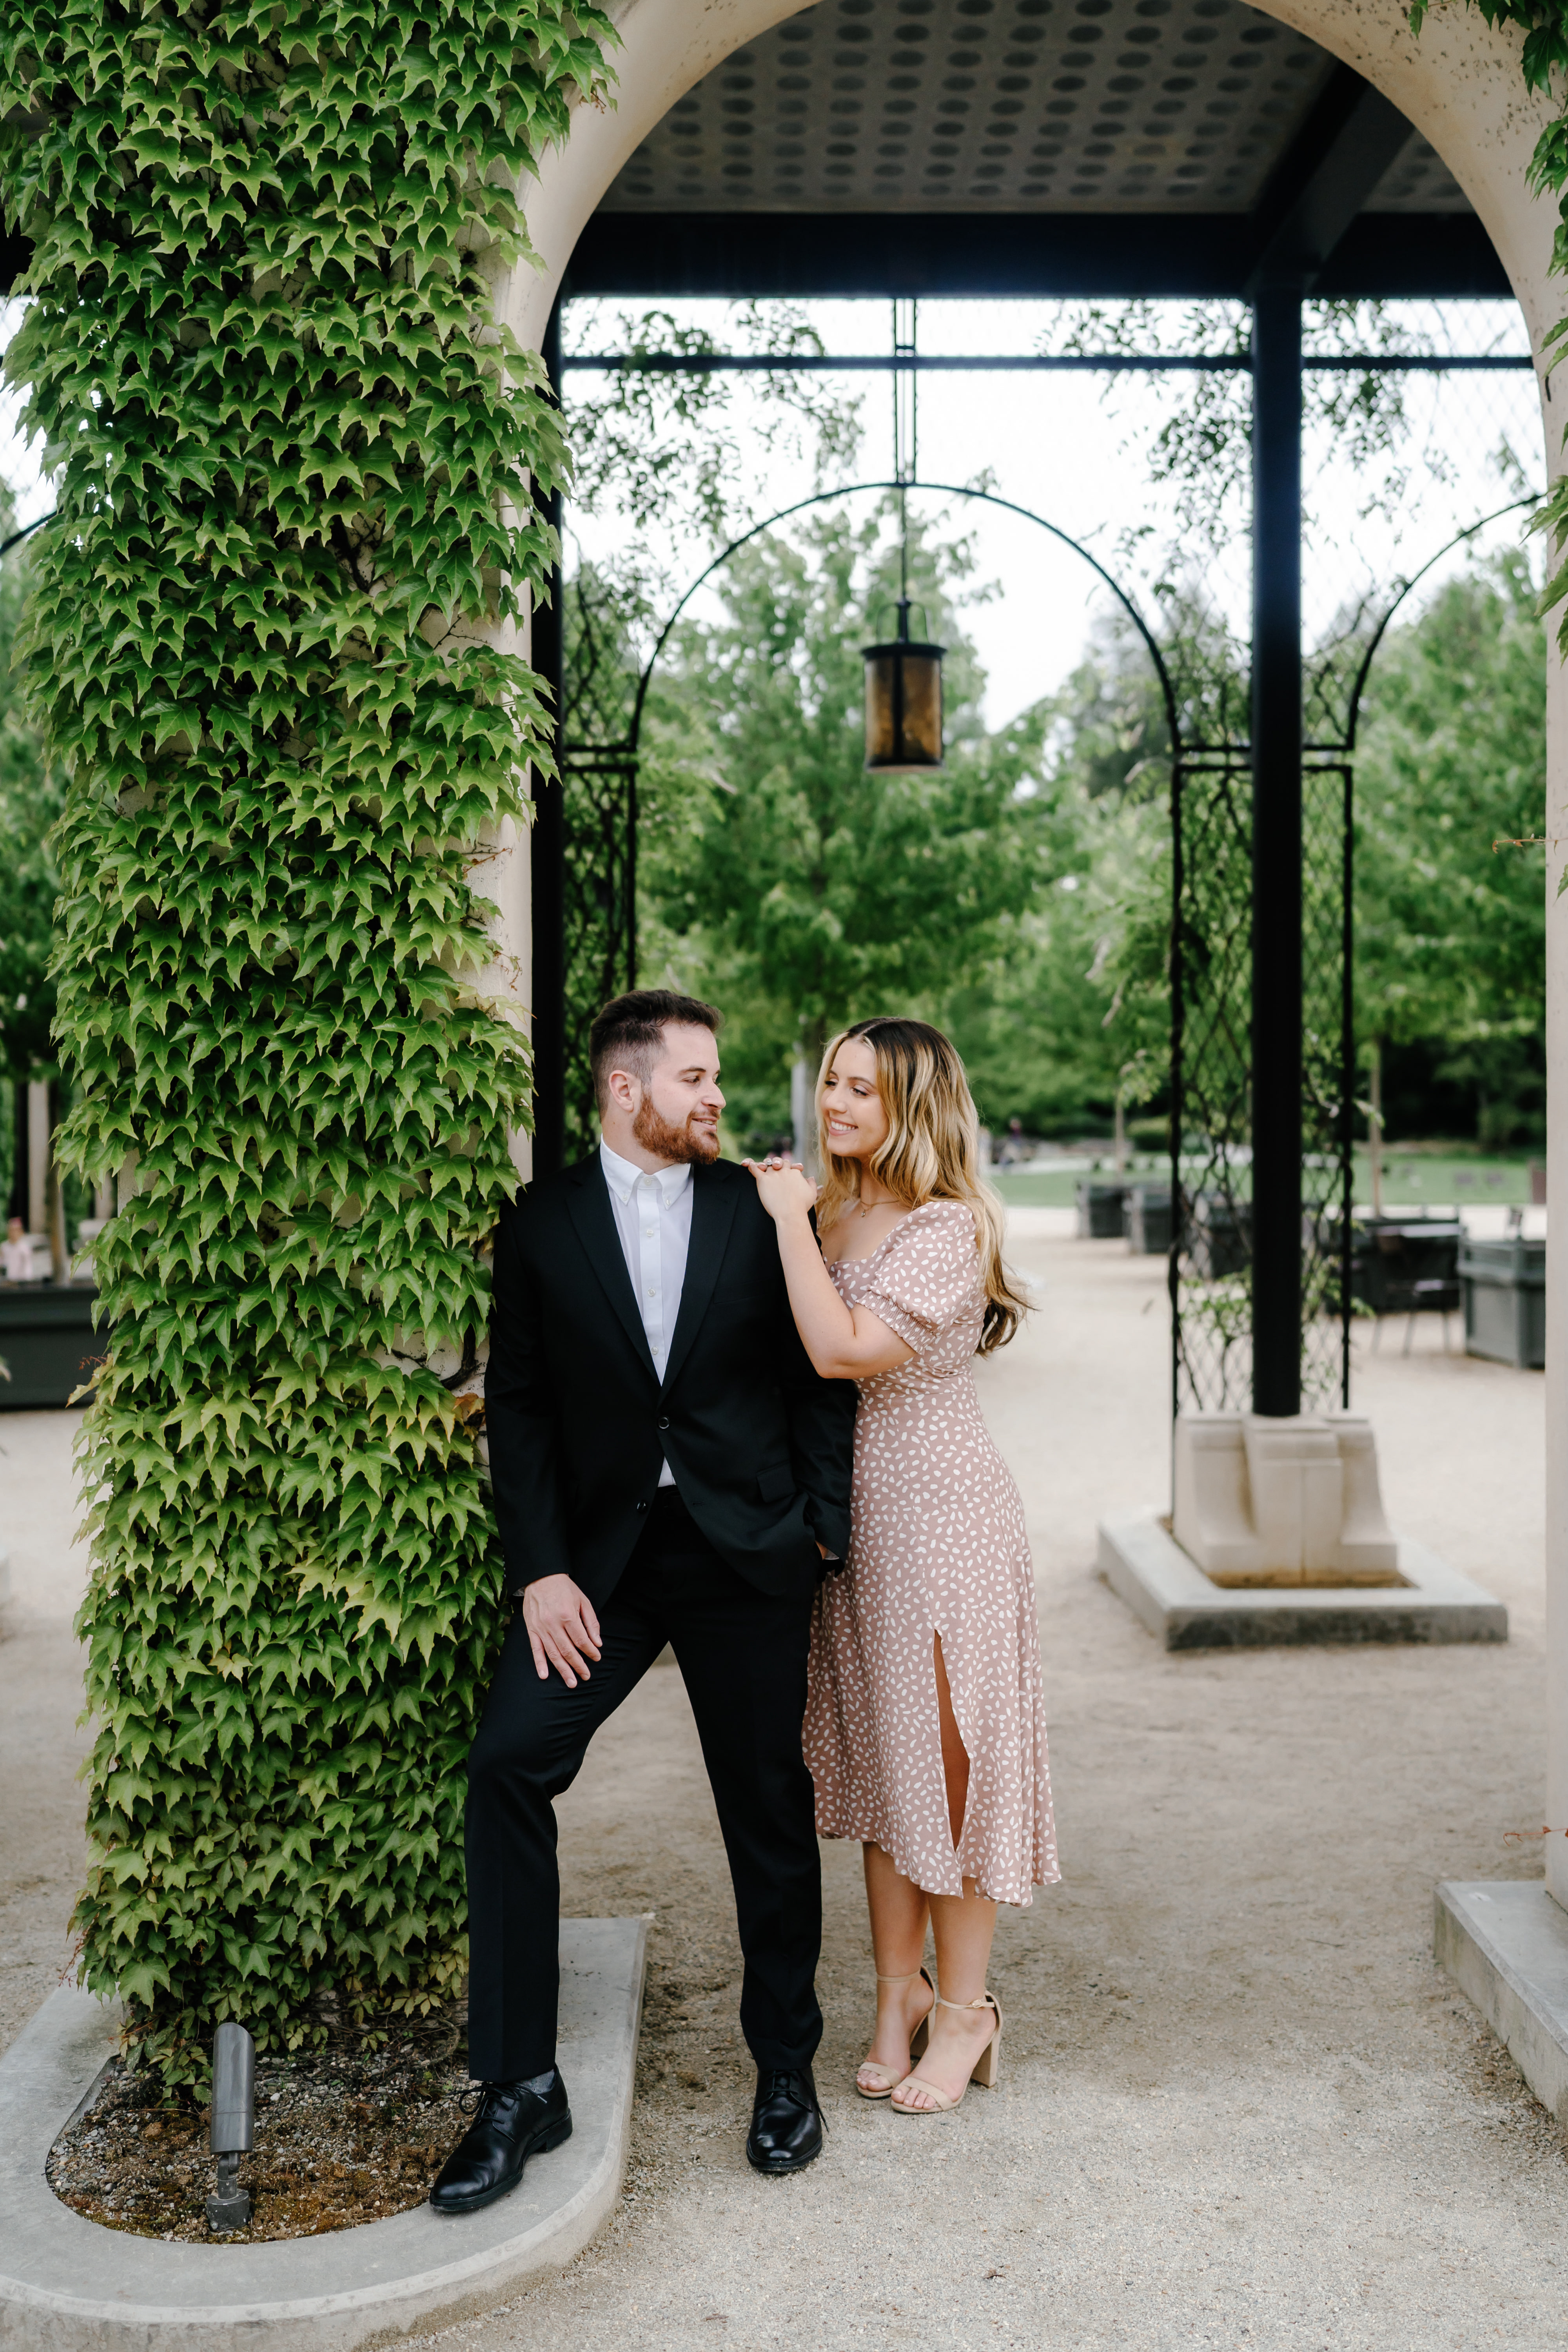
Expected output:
(924, 1726)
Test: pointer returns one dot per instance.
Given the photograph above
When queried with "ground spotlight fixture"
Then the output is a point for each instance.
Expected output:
(903, 701)
(233, 2125)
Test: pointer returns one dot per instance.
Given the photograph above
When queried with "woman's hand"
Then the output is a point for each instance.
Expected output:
(784, 1188)
(843, 1343)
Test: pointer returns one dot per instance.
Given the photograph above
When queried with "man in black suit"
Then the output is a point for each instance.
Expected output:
(666, 1466)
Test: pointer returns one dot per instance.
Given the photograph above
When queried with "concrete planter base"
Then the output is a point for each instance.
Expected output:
(1141, 1561)
(71, 2285)
(1505, 1943)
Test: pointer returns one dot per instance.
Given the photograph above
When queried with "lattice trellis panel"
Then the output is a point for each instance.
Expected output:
(1328, 1067)
(1211, 1059)
(1212, 1050)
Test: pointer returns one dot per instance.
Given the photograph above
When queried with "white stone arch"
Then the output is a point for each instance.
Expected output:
(1459, 82)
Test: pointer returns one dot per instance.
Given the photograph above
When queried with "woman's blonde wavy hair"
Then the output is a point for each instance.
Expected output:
(932, 1151)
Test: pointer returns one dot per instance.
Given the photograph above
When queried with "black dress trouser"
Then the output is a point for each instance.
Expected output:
(742, 1655)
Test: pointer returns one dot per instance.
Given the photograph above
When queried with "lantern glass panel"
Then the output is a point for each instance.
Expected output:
(881, 732)
(922, 706)
(903, 707)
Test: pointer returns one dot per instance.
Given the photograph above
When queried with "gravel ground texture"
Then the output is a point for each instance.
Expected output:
(1238, 2103)
(42, 1850)
(341, 2138)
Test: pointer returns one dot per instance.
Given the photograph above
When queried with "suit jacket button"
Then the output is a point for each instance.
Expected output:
(664, 1420)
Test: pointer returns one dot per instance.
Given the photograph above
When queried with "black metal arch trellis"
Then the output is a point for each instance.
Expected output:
(600, 774)
(25, 532)
(1471, 531)
(1210, 955)
(1209, 936)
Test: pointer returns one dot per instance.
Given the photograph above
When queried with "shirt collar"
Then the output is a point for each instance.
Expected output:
(622, 1177)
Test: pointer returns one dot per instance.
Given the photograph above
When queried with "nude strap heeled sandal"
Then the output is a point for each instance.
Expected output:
(887, 2081)
(984, 2071)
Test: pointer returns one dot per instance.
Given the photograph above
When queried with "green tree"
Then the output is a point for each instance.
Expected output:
(672, 459)
(806, 890)
(672, 452)
(1073, 1009)
(1450, 931)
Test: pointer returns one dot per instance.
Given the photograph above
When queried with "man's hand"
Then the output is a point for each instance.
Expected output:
(562, 1631)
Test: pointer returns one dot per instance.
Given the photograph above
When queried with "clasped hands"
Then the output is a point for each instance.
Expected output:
(784, 1187)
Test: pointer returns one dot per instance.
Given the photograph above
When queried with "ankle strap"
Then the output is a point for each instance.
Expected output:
(984, 2002)
(908, 1980)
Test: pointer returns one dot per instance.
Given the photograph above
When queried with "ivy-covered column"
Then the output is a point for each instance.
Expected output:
(292, 457)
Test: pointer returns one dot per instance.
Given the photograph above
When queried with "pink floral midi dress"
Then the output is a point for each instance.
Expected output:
(937, 1546)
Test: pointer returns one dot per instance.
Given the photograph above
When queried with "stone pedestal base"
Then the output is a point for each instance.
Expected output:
(1287, 1501)
(1141, 1561)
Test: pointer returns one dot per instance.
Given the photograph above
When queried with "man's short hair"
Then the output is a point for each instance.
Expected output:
(629, 1032)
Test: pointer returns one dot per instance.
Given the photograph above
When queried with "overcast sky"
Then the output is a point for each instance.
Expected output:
(1071, 447)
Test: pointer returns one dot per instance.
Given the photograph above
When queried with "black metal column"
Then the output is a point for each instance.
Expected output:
(548, 857)
(1276, 847)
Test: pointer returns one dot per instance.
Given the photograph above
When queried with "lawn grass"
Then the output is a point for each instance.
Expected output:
(1419, 1178)
(1028, 1188)
(1444, 1179)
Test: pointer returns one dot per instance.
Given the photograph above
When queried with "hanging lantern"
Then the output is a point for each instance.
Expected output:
(903, 701)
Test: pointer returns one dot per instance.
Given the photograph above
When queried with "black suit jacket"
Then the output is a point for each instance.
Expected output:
(579, 1421)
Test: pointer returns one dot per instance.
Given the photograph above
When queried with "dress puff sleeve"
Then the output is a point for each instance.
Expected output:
(927, 1275)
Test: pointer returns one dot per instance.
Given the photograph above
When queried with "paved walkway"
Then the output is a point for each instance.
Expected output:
(1239, 2106)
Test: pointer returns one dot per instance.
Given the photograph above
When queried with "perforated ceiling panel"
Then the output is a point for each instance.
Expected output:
(1419, 181)
(968, 105)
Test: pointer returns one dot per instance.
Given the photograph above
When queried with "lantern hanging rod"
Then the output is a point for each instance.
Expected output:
(1024, 362)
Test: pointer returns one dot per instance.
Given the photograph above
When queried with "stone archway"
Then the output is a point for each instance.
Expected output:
(1459, 83)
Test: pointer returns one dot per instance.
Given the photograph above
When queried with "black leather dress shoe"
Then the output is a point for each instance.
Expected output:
(512, 2123)
(787, 2121)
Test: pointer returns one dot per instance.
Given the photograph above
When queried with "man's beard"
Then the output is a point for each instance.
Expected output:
(676, 1144)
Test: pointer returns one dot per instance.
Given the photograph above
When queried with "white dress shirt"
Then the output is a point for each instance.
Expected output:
(653, 1217)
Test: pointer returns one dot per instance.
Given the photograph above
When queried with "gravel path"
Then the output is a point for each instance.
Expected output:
(1239, 2105)
(41, 1842)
